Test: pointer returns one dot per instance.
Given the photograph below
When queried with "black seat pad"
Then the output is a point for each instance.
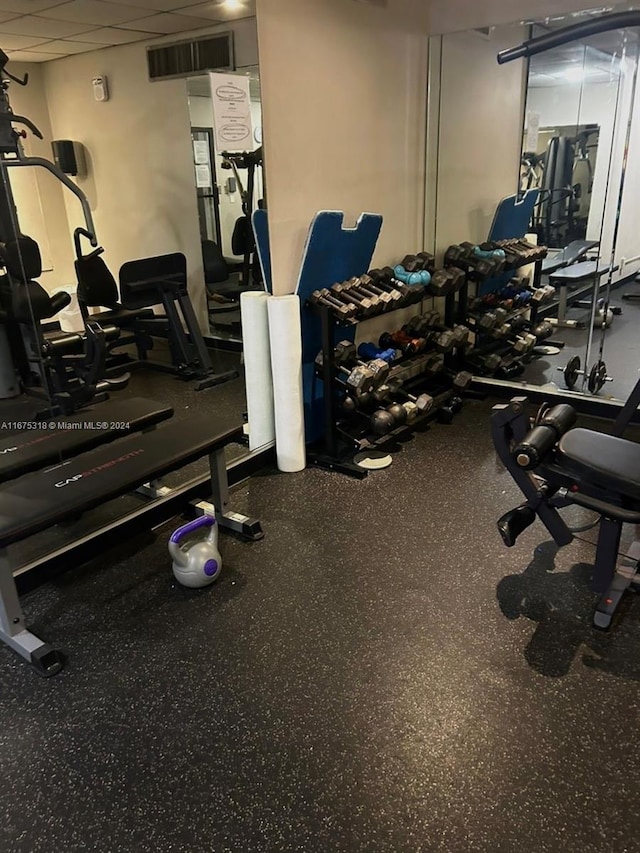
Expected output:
(580, 272)
(575, 251)
(73, 434)
(37, 501)
(122, 316)
(606, 461)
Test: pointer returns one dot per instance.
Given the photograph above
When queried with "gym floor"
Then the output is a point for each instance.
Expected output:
(378, 674)
(621, 348)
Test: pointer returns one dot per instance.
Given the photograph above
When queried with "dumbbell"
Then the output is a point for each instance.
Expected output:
(415, 406)
(458, 254)
(391, 295)
(362, 379)
(489, 363)
(509, 368)
(344, 310)
(369, 351)
(449, 410)
(349, 294)
(409, 346)
(543, 331)
(384, 299)
(490, 319)
(412, 293)
(421, 261)
(422, 277)
(385, 420)
(522, 344)
(359, 381)
(543, 294)
(461, 380)
(446, 281)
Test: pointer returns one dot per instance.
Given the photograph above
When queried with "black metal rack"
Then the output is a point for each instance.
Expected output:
(337, 444)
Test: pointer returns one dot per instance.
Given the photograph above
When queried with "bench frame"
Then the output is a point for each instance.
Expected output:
(49, 661)
(550, 487)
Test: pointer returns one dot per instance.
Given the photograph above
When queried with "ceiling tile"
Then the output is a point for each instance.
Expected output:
(161, 5)
(68, 47)
(27, 7)
(216, 10)
(31, 56)
(13, 42)
(30, 25)
(165, 24)
(111, 35)
(95, 12)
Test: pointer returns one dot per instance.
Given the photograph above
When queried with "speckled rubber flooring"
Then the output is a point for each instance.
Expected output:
(378, 674)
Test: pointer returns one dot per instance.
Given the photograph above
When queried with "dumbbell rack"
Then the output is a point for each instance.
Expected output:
(337, 443)
(491, 345)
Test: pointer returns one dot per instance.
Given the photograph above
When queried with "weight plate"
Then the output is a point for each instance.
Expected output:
(597, 377)
(572, 371)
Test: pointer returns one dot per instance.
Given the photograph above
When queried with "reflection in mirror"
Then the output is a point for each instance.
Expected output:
(230, 186)
(575, 135)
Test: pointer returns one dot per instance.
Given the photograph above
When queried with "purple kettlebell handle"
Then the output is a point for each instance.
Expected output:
(191, 527)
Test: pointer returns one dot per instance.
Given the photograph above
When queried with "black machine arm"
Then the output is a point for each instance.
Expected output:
(583, 29)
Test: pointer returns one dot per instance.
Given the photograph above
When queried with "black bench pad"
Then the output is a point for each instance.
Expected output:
(36, 448)
(575, 251)
(606, 461)
(45, 498)
(580, 272)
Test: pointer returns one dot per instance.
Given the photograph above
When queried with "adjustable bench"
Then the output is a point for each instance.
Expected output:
(571, 254)
(556, 466)
(34, 449)
(37, 501)
(575, 274)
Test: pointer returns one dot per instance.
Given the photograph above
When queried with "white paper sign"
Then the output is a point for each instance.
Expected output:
(203, 177)
(231, 112)
(533, 130)
(201, 153)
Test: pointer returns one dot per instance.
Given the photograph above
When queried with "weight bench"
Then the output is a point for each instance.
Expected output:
(575, 274)
(571, 254)
(37, 501)
(556, 466)
(34, 449)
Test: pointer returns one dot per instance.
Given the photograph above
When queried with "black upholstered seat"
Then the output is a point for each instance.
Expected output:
(605, 461)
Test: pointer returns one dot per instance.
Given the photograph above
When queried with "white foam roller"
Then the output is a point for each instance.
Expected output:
(530, 270)
(257, 368)
(286, 362)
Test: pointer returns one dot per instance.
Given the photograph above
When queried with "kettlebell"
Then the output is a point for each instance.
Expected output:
(200, 563)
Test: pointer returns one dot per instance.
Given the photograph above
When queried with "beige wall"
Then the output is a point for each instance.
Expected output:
(448, 16)
(481, 114)
(344, 97)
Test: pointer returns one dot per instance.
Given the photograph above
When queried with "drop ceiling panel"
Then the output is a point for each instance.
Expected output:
(166, 24)
(30, 25)
(107, 36)
(162, 5)
(32, 56)
(65, 47)
(13, 42)
(27, 7)
(96, 12)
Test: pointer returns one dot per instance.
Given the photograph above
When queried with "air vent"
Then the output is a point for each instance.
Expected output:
(484, 31)
(184, 58)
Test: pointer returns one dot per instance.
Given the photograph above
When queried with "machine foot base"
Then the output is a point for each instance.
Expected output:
(216, 379)
(47, 661)
(339, 466)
